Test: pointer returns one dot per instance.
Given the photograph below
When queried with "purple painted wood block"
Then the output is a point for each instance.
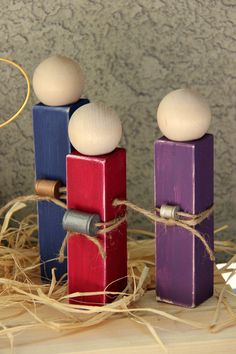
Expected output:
(184, 177)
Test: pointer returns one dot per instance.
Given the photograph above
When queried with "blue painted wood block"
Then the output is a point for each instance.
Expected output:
(51, 145)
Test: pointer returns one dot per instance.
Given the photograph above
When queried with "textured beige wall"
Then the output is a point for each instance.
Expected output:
(133, 52)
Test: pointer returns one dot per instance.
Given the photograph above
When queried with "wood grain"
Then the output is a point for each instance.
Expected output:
(125, 336)
(93, 182)
(184, 177)
(51, 145)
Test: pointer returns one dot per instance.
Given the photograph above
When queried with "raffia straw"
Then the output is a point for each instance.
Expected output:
(21, 288)
(171, 222)
(31, 198)
(217, 311)
(228, 247)
(151, 329)
(220, 229)
(141, 232)
(16, 207)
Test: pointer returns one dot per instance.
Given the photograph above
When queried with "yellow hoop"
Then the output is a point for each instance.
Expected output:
(27, 95)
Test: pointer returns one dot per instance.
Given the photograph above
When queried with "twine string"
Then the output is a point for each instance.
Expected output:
(94, 240)
(111, 225)
(31, 198)
(104, 226)
(187, 224)
(22, 285)
(108, 227)
(193, 220)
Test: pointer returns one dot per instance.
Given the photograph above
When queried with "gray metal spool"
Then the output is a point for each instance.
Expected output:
(169, 211)
(84, 223)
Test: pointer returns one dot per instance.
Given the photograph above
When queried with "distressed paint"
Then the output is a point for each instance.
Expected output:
(51, 145)
(184, 177)
(93, 182)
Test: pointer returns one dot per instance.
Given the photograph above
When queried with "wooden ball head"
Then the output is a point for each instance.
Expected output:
(58, 81)
(95, 129)
(183, 115)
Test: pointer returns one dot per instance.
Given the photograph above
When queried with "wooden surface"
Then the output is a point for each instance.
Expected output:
(124, 335)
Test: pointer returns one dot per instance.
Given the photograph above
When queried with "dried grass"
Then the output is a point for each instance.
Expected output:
(21, 290)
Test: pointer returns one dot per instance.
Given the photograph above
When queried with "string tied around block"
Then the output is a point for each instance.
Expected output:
(184, 220)
(96, 228)
(103, 227)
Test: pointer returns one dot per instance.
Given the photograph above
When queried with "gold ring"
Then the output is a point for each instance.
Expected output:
(27, 95)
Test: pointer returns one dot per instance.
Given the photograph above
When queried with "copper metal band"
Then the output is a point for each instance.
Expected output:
(48, 188)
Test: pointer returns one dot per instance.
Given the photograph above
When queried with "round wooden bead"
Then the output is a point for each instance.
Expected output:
(95, 129)
(183, 115)
(58, 81)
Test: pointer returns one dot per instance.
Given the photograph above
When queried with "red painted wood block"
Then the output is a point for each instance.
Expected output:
(93, 182)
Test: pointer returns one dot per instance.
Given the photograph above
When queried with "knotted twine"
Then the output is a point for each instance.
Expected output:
(187, 222)
(26, 291)
(108, 227)
(104, 227)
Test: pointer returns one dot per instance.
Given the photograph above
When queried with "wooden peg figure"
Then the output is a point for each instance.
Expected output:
(184, 183)
(96, 175)
(58, 83)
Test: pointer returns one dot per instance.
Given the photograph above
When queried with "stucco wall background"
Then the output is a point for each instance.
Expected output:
(133, 53)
